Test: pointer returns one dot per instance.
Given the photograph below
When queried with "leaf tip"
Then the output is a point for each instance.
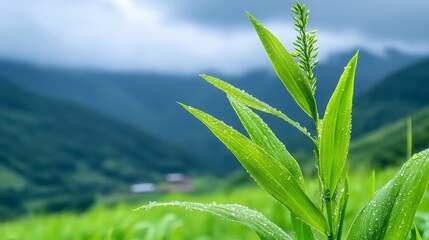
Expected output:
(206, 77)
(253, 20)
(356, 56)
(183, 105)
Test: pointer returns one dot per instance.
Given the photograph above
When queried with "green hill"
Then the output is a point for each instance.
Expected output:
(55, 148)
(399, 95)
(387, 145)
(148, 100)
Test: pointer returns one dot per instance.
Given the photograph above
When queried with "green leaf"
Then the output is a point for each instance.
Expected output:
(342, 197)
(264, 137)
(416, 235)
(253, 102)
(301, 230)
(372, 188)
(271, 175)
(390, 214)
(336, 127)
(409, 137)
(254, 220)
(287, 70)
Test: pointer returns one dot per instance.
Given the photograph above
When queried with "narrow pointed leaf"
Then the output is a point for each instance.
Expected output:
(265, 170)
(372, 188)
(301, 230)
(254, 220)
(341, 200)
(415, 234)
(287, 69)
(253, 102)
(264, 137)
(409, 137)
(335, 134)
(390, 214)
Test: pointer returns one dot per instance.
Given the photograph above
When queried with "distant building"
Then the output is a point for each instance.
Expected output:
(177, 177)
(143, 188)
(175, 182)
(178, 182)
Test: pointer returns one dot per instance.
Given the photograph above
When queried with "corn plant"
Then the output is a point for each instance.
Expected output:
(388, 215)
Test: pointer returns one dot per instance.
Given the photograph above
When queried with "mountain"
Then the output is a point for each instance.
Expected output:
(402, 93)
(51, 148)
(148, 100)
(387, 145)
(370, 70)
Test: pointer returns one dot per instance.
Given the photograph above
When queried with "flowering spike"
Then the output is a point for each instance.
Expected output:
(305, 51)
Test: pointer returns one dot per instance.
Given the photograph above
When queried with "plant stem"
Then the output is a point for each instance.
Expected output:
(330, 214)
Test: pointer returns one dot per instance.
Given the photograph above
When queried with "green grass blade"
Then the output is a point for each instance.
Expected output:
(372, 188)
(335, 134)
(264, 137)
(409, 137)
(390, 214)
(301, 230)
(253, 102)
(342, 200)
(254, 220)
(415, 234)
(287, 70)
(265, 170)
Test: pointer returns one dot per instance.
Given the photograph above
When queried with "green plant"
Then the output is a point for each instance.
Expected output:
(388, 215)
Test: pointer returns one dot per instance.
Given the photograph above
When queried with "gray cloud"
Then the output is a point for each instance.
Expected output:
(190, 36)
(406, 20)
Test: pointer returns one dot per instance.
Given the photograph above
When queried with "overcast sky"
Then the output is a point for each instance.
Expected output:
(191, 36)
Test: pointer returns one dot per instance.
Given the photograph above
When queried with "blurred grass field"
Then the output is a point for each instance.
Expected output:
(121, 222)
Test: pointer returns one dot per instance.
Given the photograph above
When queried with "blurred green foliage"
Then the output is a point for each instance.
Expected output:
(120, 222)
(52, 150)
(388, 144)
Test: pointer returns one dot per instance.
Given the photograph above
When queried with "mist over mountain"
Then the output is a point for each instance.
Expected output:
(148, 100)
